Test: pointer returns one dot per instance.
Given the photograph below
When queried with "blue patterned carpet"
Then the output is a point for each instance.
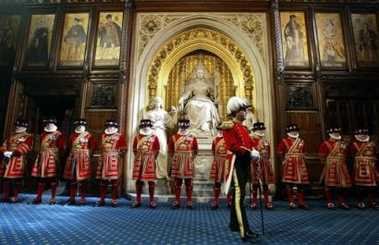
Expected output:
(28, 224)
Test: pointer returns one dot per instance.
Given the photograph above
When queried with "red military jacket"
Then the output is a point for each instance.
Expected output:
(112, 142)
(182, 143)
(328, 145)
(20, 144)
(286, 143)
(88, 142)
(218, 147)
(237, 138)
(54, 140)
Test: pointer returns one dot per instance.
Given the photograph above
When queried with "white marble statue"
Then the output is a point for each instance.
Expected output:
(161, 122)
(197, 101)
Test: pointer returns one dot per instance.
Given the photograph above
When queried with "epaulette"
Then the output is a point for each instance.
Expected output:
(227, 125)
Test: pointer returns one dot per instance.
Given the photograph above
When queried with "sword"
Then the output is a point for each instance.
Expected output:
(260, 187)
(229, 180)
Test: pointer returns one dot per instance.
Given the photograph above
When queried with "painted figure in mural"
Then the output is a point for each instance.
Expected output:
(368, 43)
(294, 41)
(110, 33)
(238, 141)
(7, 43)
(261, 170)
(161, 122)
(333, 51)
(46, 165)
(336, 177)
(14, 151)
(365, 173)
(183, 149)
(109, 166)
(78, 165)
(75, 38)
(295, 172)
(146, 150)
(198, 103)
(38, 49)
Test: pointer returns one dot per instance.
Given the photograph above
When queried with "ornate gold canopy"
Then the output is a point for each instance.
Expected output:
(221, 56)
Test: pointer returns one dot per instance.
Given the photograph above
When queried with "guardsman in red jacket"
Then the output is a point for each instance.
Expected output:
(295, 173)
(238, 141)
(220, 168)
(146, 150)
(183, 149)
(261, 170)
(109, 166)
(14, 151)
(78, 165)
(366, 175)
(47, 163)
(333, 152)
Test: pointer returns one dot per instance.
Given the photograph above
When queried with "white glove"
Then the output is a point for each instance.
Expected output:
(254, 154)
(8, 154)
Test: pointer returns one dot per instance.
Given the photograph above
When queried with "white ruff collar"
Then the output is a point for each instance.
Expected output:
(80, 129)
(111, 130)
(362, 138)
(20, 130)
(293, 135)
(259, 134)
(146, 131)
(339, 137)
(183, 132)
(50, 128)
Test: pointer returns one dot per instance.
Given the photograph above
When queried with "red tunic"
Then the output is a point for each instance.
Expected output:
(45, 166)
(19, 144)
(145, 149)
(221, 162)
(183, 149)
(294, 167)
(262, 169)
(109, 164)
(78, 164)
(237, 139)
(335, 172)
(365, 172)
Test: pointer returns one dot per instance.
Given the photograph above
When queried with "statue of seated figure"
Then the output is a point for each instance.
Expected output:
(198, 103)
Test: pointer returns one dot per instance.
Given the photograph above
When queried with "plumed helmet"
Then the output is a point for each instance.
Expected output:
(235, 104)
(292, 128)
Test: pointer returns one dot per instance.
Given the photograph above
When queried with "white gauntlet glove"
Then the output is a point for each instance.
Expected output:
(8, 154)
(254, 154)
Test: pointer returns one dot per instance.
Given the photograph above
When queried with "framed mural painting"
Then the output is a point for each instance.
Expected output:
(294, 39)
(366, 39)
(74, 39)
(103, 95)
(331, 45)
(300, 97)
(9, 29)
(39, 40)
(108, 39)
